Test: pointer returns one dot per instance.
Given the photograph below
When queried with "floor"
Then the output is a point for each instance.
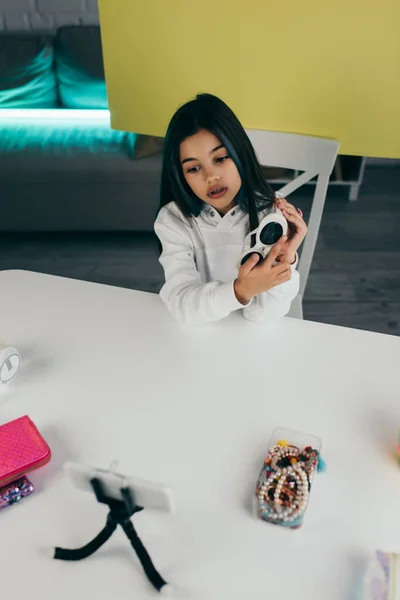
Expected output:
(354, 280)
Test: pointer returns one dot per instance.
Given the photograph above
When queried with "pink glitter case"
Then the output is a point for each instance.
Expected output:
(14, 492)
(22, 449)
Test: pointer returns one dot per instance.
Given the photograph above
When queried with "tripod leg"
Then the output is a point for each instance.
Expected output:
(152, 574)
(91, 547)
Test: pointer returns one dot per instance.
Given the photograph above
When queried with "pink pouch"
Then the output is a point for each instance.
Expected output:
(22, 449)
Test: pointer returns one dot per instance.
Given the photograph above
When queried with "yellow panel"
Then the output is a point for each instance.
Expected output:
(304, 67)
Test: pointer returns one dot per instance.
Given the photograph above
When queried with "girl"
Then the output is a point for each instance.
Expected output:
(212, 195)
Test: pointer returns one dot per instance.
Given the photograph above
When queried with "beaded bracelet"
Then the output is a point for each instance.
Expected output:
(284, 483)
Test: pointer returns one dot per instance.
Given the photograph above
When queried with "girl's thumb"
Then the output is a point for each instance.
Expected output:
(247, 267)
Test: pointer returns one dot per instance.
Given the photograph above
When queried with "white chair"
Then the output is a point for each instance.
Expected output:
(316, 158)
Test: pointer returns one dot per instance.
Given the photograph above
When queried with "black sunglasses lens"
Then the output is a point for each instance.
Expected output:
(246, 258)
(271, 233)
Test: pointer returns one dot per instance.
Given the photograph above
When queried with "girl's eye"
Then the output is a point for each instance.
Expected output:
(193, 169)
(221, 159)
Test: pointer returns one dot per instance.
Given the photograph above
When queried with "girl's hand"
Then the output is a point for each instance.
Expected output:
(297, 230)
(254, 278)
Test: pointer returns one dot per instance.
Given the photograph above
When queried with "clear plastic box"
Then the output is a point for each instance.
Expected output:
(285, 480)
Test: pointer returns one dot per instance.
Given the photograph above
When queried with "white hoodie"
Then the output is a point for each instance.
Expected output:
(199, 257)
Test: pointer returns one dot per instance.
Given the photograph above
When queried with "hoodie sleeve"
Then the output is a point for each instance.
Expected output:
(187, 298)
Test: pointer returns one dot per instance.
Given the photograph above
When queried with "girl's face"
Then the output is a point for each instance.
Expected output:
(209, 170)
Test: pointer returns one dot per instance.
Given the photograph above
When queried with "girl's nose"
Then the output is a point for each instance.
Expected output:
(212, 178)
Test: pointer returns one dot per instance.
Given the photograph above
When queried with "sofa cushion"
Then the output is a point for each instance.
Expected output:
(27, 77)
(99, 192)
(66, 139)
(79, 67)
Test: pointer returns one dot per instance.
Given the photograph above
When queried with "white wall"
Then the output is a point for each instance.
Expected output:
(46, 14)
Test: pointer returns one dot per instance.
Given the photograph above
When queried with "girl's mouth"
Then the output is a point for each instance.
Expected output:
(217, 192)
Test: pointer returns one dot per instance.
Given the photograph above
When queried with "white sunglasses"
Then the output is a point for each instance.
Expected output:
(269, 231)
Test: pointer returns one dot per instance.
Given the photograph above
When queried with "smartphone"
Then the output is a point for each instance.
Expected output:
(145, 493)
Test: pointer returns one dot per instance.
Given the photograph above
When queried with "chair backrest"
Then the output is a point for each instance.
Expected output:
(314, 157)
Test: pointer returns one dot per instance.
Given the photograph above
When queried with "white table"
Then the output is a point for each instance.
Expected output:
(108, 375)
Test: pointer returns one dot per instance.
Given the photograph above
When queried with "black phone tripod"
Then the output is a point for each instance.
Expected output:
(120, 514)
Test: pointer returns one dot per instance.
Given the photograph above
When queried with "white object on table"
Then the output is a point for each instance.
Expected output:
(116, 377)
(9, 362)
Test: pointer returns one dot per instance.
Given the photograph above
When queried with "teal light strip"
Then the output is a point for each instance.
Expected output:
(57, 114)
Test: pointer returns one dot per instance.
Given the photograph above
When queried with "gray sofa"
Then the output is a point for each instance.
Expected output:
(68, 177)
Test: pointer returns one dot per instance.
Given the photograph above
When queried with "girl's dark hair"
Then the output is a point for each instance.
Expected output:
(209, 112)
